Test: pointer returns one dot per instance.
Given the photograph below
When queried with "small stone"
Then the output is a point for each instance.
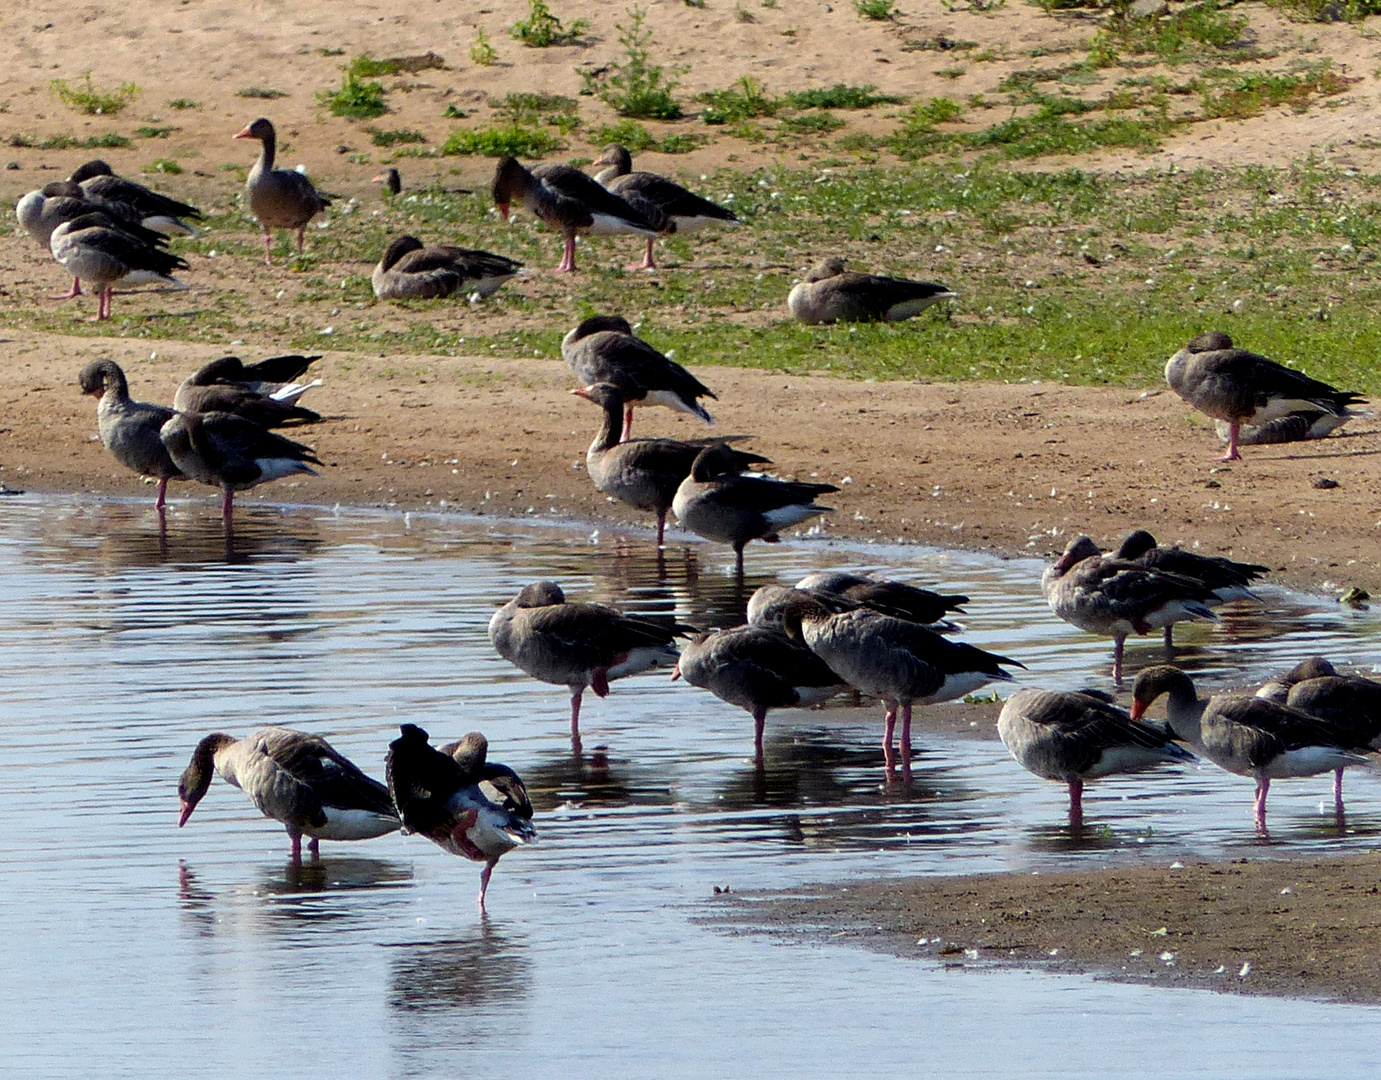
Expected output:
(1325, 483)
(1149, 9)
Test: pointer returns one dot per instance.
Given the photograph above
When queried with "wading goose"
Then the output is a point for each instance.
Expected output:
(604, 349)
(887, 597)
(457, 799)
(95, 250)
(719, 503)
(1350, 703)
(896, 660)
(224, 386)
(158, 212)
(278, 198)
(274, 377)
(1246, 735)
(390, 183)
(1074, 737)
(129, 429)
(295, 778)
(644, 473)
(832, 294)
(566, 199)
(410, 271)
(1239, 387)
(576, 644)
(665, 203)
(757, 668)
(1115, 598)
(232, 453)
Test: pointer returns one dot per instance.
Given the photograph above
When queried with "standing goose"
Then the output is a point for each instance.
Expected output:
(718, 503)
(232, 453)
(95, 250)
(457, 799)
(1240, 387)
(129, 429)
(1114, 597)
(679, 210)
(1350, 703)
(566, 199)
(576, 644)
(757, 668)
(295, 778)
(278, 198)
(224, 386)
(644, 473)
(410, 271)
(832, 294)
(274, 377)
(1246, 735)
(1073, 737)
(154, 211)
(887, 597)
(898, 661)
(604, 349)
(768, 602)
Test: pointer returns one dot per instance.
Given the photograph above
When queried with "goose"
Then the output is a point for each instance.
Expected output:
(1303, 425)
(757, 668)
(665, 203)
(459, 800)
(278, 198)
(899, 661)
(1114, 597)
(1246, 735)
(1278, 689)
(275, 376)
(95, 250)
(717, 502)
(644, 473)
(603, 348)
(767, 603)
(1074, 737)
(566, 199)
(832, 294)
(1240, 387)
(295, 778)
(129, 429)
(390, 182)
(232, 453)
(154, 211)
(577, 645)
(408, 270)
(224, 386)
(888, 597)
(1350, 703)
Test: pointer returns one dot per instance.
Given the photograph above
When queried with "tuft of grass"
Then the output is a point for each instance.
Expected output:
(184, 103)
(841, 96)
(746, 99)
(515, 139)
(163, 165)
(394, 136)
(1250, 94)
(636, 138)
(877, 10)
(365, 66)
(1331, 10)
(635, 87)
(811, 123)
(531, 109)
(85, 98)
(151, 131)
(1202, 27)
(541, 28)
(63, 141)
(265, 92)
(355, 100)
(482, 52)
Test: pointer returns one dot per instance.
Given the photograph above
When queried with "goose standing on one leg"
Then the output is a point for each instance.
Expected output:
(1350, 703)
(129, 429)
(278, 198)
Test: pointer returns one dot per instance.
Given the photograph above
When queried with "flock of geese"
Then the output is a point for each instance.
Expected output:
(831, 633)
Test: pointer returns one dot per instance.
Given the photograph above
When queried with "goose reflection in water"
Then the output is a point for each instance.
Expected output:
(466, 975)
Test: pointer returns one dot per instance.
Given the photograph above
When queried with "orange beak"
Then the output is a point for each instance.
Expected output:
(583, 391)
(1138, 709)
(503, 210)
(676, 671)
(244, 134)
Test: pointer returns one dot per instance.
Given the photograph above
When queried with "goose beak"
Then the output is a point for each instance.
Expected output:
(1138, 709)
(244, 134)
(582, 391)
(676, 672)
(186, 812)
(503, 210)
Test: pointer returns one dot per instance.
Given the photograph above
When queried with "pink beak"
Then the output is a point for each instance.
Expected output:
(187, 809)
(244, 134)
(1138, 709)
(503, 210)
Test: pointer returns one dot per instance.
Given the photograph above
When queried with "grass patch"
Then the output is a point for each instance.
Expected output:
(167, 166)
(181, 103)
(841, 96)
(746, 99)
(876, 10)
(1330, 10)
(365, 66)
(265, 92)
(151, 131)
(528, 109)
(482, 52)
(1246, 95)
(356, 99)
(85, 98)
(394, 136)
(541, 28)
(1199, 28)
(515, 139)
(63, 141)
(811, 123)
(636, 87)
(634, 137)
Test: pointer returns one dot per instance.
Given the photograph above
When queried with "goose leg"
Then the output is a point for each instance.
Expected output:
(1076, 804)
(627, 423)
(759, 722)
(301, 239)
(906, 736)
(889, 756)
(1338, 790)
(1232, 454)
(577, 693)
(74, 291)
(567, 263)
(1259, 806)
(314, 847)
(268, 247)
(738, 563)
(228, 507)
(484, 881)
(1170, 639)
(103, 303)
(1118, 645)
(296, 838)
(648, 262)
(162, 502)
(661, 528)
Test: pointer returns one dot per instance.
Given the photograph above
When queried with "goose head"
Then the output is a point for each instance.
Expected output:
(100, 376)
(261, 129)
(398, 248)
(1185, 709)
(1079, 549)
(617, 158)
(196, 778)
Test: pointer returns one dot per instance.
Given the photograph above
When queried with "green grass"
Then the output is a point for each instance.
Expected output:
(636, 138)
(184, 103)
(532, 109)
(1196, 28)
(153, 131)
(541, 28)
(746, 99)
(265, 92)
(163, 165)
(365, 66)
(635, 87)
(482, 52)
(109, 141)
(876, 10)
(840, 96)
(515, 139)
(1239, 96)
(811, 123)
(1331, 10)
(356, 99)
(85, 98)
(394, 136)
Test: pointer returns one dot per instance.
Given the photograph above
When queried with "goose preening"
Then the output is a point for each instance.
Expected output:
(226, 385)
(604, 349)
(720, 503)
(278, 198)
(1239, 387)
(899, 661)
(1278, 689)
(232, 453)
(153, 210)
(129, 429)
(409, 270)
(1075, 737)
(96, 250)
(644, 473)
(665, 203)
(757, 668)
(1115, 597)
(887, 597)
(1244, 734)
(578, 645)
(390, 183)
(566, 199)
(767, 603)
(274, 377)
(295, 778)
(832, 294)
(458, 799)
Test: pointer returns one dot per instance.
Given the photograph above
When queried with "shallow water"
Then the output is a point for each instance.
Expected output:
(131, 945)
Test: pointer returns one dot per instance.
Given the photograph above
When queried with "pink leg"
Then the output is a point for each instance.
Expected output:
(228, 507)
(314, 847)
(1076, 805)
(567, 264)
(162, 502)
(1118, 644)
(296, 838)
(75, 290)
(1232, 455)
(759, 722)
(889, 756)
(1338, 790)
(1259, 806)
(301, 240)
(484, 881)
(103, 297)
(648, 262)
(268, 248)
(627, 423)
(576, 694)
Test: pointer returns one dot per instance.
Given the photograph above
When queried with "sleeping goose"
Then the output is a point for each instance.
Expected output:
(1240, 387)
(1350, 703)
(644, 473)
(888, 597)
(716, 501)
(95, 250)
(295, 778)
(665, 203)
(224, 386)
(1278, 689)
(275, 376)
(566, 199)
(1114, 597)
(408, 270)
(154, 211)
(459, 800)
(129, 429)
(604, 349)
(1074, 737)
(757, 668)
(278, 198)
(831, 294)
(1246, 735)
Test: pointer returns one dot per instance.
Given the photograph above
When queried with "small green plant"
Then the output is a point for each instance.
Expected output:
(482, 52)
(841, 96)
(875, 9)
(515, 139)
(694, 3)
(743, 15)
(331, 52)
(530, 109)
(636, 138)
(163, 165)
(394, 136)
(365, 66)
(184, 103)
(85, 98)
(636, 87)
(356, 99)
(451, 112)
(747, 99)
(151, 131)
(811, 123)
(541, 28)
(109, 141)
(261, 92)
(1250, 94)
